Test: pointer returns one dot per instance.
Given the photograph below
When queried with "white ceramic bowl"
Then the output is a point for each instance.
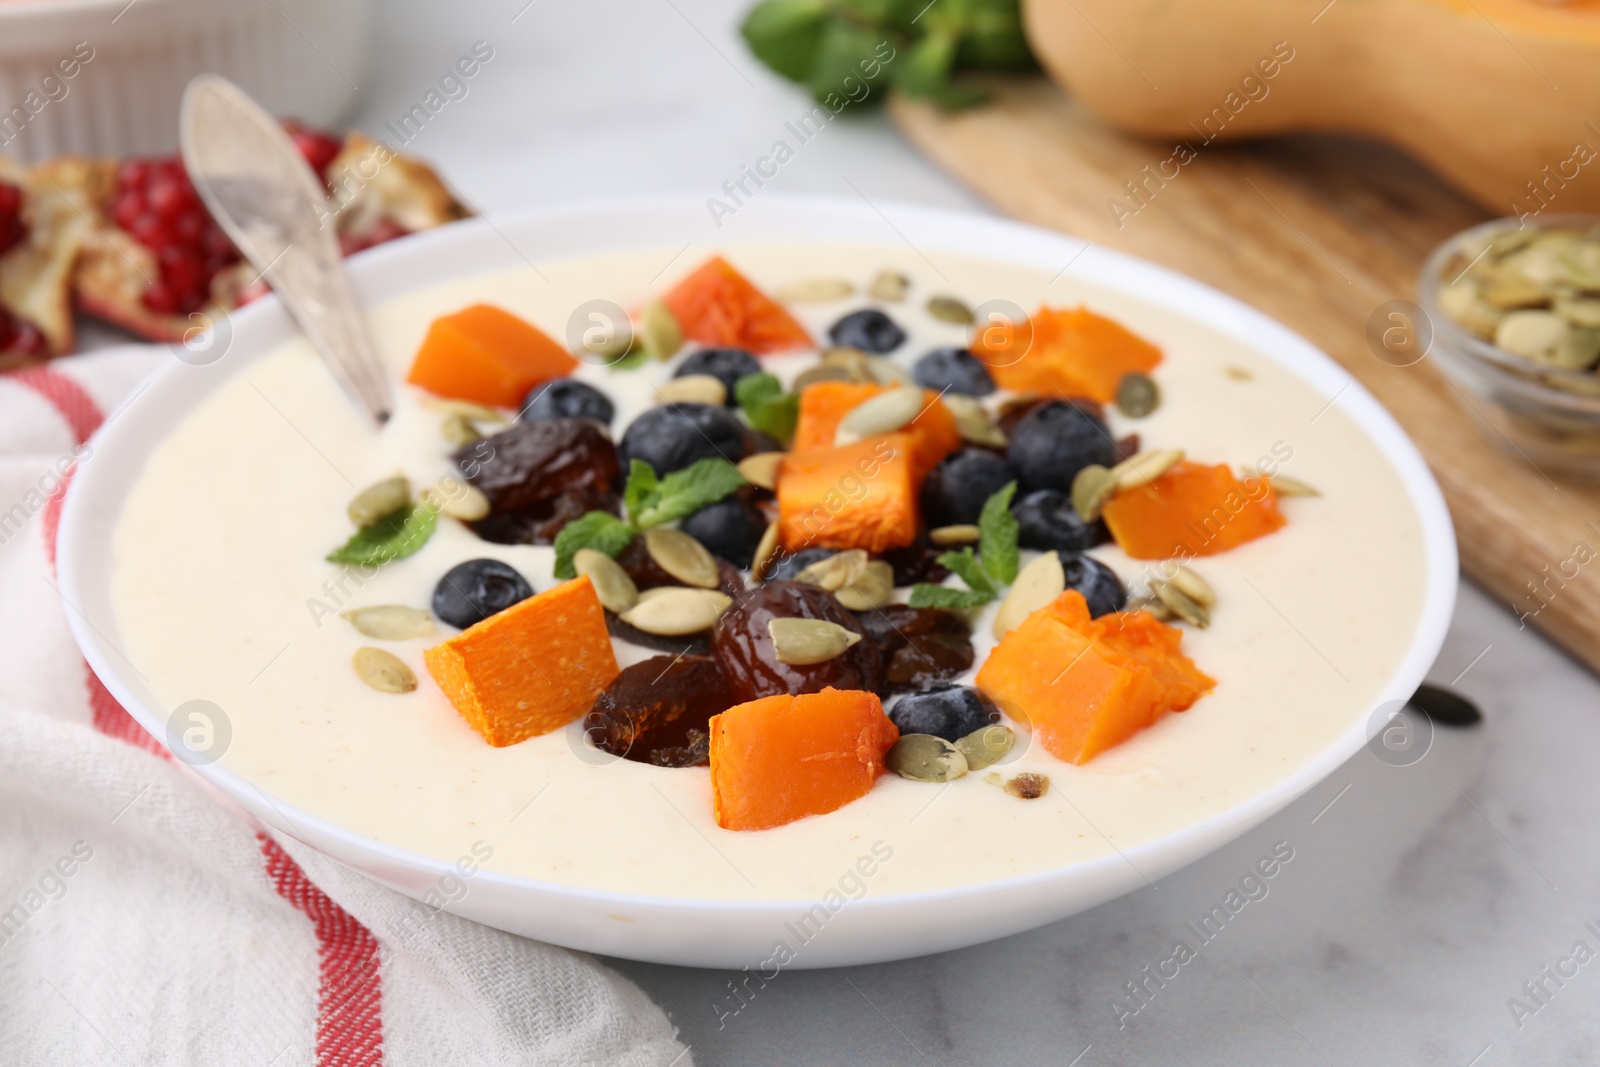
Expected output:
(300, 58)
(723, 933)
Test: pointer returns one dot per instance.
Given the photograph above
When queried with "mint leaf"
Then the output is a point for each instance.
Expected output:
(997, 536)
(641, 490)
(395, 536)
(924, 68)
(769, 409)
(598, 530)
(924, 595)
(685, 492)
(965, 566)
(754, 388)
(845, 63)
(785, 35)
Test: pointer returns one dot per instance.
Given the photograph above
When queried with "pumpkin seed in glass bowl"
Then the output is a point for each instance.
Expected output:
(1513, 310)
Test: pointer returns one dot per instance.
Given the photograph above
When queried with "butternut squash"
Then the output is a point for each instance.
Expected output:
(781, 758)
(1501, 97)
(531, 668)
(1083, 685)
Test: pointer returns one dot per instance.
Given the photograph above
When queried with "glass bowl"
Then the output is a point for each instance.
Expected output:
(1546, 414)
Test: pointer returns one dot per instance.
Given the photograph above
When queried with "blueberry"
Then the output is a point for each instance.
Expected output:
(727, 365)
(729, 528)
(1055, 442)
(869, 330)
(566, 398)
(673, 436)
(1099, 584)
(472, 591)
(788, 566)
(957, 488)
(948, 711)
(953, 369)
(1046, 521)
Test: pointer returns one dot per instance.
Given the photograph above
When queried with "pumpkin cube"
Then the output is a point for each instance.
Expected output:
(862, 495)
(1192, 510)
(487, 355)
(824, 405)
(720, 308)
(781, 758)
(1065, 353)
(531, 668)
(1083, 685)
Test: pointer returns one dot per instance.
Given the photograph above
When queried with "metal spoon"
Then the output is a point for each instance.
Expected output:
(265, 196)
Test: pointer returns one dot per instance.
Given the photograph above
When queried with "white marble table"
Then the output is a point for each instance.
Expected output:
(1419, 900)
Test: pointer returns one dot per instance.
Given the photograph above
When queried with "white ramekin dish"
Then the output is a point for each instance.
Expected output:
(104, 77)
(722, 933)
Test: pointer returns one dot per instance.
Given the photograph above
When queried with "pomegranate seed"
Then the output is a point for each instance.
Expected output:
(383, 230)
(156, 203)
(18, 335)
(12, 229)
(319, 147)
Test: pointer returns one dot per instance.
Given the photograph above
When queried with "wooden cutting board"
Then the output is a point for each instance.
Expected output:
(1317, 232)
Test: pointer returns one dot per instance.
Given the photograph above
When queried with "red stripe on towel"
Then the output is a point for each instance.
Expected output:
(350, 996)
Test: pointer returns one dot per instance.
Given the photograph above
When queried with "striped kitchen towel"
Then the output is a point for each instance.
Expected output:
(145, 920)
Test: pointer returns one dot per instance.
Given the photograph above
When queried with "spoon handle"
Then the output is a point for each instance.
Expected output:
(266, 198)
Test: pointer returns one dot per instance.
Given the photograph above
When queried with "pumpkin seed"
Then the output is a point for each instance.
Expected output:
(960, 534)
(457, 499)
(677, 612)
(870, 587)
(987, 745)
(822, 372)
(1181, 604)
(612, 586)
(1531, 334)
(1027, 785)
(1580, 311)
(1091, 488)
(926, 758)
(837, 569)
(973, 421)
(889, 285)
(885, 371)
(884, 413)
(1137, 395)
(816, 291)
(1036, 585)
(766, 548)
(1511, 293)
(390, 622)
(1284, 485)
(694, 389)
(1149, 604)
(382, 671)
(803, 642)
(949, 309)
(458, 429)
(852, 361)
(1579, 349)
(658, 330)
(761, 469)
(380, 499)
(475, 412)
(682, 557)
(1192, 585)
(1146, 467)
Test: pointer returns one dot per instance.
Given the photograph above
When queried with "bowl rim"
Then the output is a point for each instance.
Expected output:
(1001, 239)
(1525, 377)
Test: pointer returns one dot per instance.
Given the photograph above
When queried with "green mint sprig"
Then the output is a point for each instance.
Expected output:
(987, 573)
(649, 501)
(395, 536)
(835, 47)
